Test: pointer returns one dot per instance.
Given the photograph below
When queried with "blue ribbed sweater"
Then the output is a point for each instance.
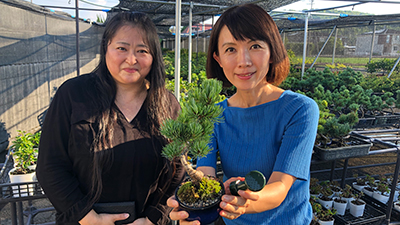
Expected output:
(275, 136)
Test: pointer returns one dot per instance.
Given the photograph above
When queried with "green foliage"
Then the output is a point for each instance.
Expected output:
(322, 213)
(383, 188)
(192, 130)
(359, 180)
(383, 66)
(343, 97)
(100, 18)
(205, 190)
(198, 63)
(347, 192)
(25, 150)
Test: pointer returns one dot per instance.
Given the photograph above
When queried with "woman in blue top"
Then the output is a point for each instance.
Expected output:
(266, 128)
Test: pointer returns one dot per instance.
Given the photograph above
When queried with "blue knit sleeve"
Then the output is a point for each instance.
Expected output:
(294, 156)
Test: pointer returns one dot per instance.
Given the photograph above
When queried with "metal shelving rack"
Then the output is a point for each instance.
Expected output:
(15, 194)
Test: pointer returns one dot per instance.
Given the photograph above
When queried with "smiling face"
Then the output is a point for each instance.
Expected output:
(245, 63)
(128, 57)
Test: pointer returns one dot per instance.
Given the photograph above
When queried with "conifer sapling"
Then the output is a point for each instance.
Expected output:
(192, 130)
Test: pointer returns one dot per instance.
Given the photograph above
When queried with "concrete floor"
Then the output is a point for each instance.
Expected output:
(39, 218)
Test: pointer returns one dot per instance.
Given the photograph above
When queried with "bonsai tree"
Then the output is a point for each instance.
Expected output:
(25, 151)
(338, 128)
(190, 133)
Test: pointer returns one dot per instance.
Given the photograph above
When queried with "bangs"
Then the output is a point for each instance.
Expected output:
(249, 27)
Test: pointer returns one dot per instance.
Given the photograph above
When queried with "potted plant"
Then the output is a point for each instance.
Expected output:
(323, 216)
(189, 133)
(382, 192)
(371, 186)
(340, 205)
(315, 187)
(347, 195)
(357, 206)
(360, 183)
(335, 187)
(333, 139)
(326, 197)
(25, 156)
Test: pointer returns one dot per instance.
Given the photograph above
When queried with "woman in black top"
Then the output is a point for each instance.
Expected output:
(100, 139)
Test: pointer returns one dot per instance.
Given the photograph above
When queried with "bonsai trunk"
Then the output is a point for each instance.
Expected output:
(194, 174)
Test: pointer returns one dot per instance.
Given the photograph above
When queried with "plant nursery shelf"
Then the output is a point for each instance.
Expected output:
(370, 216)
(357, 149)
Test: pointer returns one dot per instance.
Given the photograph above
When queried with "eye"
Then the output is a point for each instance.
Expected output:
(121, 48)
(256, 46)
(145, 51)
(230, 49)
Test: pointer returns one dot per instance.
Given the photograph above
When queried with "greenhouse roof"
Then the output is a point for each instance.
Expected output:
(162, 12)
(295, 24)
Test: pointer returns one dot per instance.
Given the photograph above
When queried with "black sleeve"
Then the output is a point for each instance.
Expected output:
(54, 166)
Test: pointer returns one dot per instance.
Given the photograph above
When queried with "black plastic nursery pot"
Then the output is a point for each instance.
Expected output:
(204, 214)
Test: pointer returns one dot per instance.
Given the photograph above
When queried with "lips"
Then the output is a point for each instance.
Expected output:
(245, 76)
(130, 70)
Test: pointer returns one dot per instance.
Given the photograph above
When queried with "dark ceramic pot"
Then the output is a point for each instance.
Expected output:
(204, 214)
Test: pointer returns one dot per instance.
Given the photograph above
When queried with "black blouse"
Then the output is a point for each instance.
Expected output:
(136, 171)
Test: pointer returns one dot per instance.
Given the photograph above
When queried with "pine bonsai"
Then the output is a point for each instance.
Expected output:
(190, 133)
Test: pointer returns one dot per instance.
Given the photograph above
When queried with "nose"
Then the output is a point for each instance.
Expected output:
(131, 58)
(244, 59)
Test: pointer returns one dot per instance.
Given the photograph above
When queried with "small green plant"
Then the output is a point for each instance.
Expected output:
(326, 193)
(347, 192)
(383, 188)
(357, 198)
(359, 180)
(25, 151)
(335, 186)
(321, 213)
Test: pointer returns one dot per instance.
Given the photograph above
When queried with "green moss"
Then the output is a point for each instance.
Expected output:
(205, 190)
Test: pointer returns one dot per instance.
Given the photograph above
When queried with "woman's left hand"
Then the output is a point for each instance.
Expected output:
(235, 206)
(141, 221)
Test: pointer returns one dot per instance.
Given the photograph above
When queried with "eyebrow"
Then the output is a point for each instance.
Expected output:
(125, 43)
(231, 43)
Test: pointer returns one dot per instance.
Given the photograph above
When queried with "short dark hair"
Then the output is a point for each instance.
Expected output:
(249, 21)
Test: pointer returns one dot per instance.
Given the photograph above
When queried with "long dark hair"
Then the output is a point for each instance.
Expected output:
(252, 22)
(156, 102)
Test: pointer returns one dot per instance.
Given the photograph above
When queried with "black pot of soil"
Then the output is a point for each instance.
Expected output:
(201, 200)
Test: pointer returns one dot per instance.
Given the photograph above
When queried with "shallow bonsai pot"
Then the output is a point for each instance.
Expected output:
(204, 214)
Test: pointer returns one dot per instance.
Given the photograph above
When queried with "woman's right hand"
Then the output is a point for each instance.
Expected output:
(92, 218)
(176, 214)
